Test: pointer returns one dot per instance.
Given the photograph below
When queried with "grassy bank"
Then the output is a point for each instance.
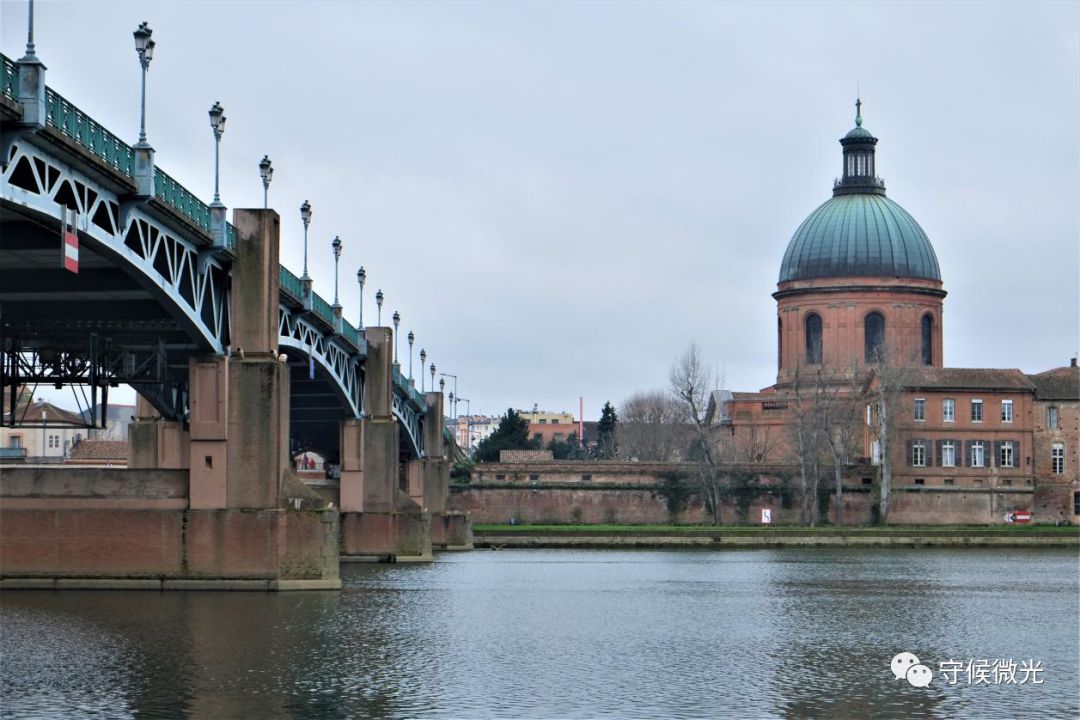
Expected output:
(744, 536)
(772, 529)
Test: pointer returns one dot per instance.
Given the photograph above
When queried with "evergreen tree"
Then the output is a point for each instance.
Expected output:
(512, 434)
(606, 429)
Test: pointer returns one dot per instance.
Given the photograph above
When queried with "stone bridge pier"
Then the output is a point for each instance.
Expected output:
(379, 520)
(206, 508)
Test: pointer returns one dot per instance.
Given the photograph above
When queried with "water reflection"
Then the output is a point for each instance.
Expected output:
(562, 633)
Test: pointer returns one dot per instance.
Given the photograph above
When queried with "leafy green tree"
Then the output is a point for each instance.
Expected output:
(512, 434)
(606, 430)
(569, 449)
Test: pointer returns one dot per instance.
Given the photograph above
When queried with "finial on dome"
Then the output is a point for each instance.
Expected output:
(858, 111)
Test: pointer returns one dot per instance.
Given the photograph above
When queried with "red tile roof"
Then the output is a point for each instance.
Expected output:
(1061, 383)
(969, 379)
(100, 450)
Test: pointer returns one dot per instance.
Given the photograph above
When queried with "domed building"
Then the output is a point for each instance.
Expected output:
(859, 280)
(859, 306)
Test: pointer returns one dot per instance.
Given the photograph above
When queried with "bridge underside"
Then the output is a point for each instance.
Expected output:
(97, 327)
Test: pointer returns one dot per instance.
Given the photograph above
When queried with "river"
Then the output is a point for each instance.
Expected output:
(787, 633)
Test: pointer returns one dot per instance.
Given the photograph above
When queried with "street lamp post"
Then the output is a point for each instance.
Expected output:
(423, 359)
(144, 46)
(361, 276)
(455, 391)
(217, 123)
(433, 378)
(378, 306)
(336, 245)
(305, 215)
(397, 321)
(412, 339)
(266, 172)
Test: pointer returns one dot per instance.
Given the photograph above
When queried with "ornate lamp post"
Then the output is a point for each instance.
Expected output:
(412, 339)
(378, 305)
(144, 46)
(397, 321)
(433, 379)
(266, 172)
(217, 124)
(336, 245)
(423, 359)
(305, 215)
(442, 385)
(361, 276)
(454, 408)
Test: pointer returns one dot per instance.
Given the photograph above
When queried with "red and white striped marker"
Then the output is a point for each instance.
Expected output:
(71, 246)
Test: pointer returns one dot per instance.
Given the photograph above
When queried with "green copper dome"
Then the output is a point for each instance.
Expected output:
(859, 232)
(859, 235)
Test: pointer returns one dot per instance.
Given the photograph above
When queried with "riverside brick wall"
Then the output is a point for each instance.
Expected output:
(635, 493)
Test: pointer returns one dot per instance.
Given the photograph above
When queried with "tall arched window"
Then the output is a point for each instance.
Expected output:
(927, 340)
(780, 343)
(874, 334)
(813, 339)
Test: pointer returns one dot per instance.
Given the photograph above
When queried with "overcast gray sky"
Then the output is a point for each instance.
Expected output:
(558, 197)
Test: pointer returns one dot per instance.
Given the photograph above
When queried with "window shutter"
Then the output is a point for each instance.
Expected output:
(910, 445)
(997, 453)
(937, 454)
(967, 453)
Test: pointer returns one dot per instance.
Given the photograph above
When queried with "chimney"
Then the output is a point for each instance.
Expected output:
(1072, 362)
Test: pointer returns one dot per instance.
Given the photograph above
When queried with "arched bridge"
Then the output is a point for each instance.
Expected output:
(154, 287)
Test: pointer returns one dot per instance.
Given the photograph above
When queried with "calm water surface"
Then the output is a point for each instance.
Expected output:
(564, 633)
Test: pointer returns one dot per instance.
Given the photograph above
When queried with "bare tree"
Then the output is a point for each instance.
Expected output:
(886, 387)
(808, 444)
(839, 401)
(691, 383)
(652, 426)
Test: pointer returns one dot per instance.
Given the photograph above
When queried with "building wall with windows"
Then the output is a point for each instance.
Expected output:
(958, 435)
(1056, 421)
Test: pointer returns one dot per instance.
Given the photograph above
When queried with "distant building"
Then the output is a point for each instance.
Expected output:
(43, 432)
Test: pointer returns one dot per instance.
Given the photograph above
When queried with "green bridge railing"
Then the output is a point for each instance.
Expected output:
(177, 196)
(9, 78)
(89, 134)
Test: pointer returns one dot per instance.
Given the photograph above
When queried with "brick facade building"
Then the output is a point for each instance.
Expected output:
(860, 294)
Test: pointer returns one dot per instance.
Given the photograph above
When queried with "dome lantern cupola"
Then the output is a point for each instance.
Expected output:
(859, 174)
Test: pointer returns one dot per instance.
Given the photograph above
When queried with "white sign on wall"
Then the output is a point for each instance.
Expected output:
(766, 516)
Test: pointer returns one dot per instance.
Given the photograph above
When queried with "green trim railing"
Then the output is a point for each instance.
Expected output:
(322, 308)
(181, 199)
(10, 77)
(351, 334)
(290, 283)
(230, 236)
(403, 382)
(89, 134)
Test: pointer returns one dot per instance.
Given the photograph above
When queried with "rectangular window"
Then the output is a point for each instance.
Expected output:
(1058, 458)
(1006, 459)
(978, 454)
(16, 441)
(586, 478)
(918, 453)
(1076, 503)
(1052, 418)
(534, 478)
(920, 409)
(1007, 411)
(920, 481)
(948, 410)
(950, 481)
(54, 441)
(976, 411)
(543, 421)
(948, 453)
(500, 476)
